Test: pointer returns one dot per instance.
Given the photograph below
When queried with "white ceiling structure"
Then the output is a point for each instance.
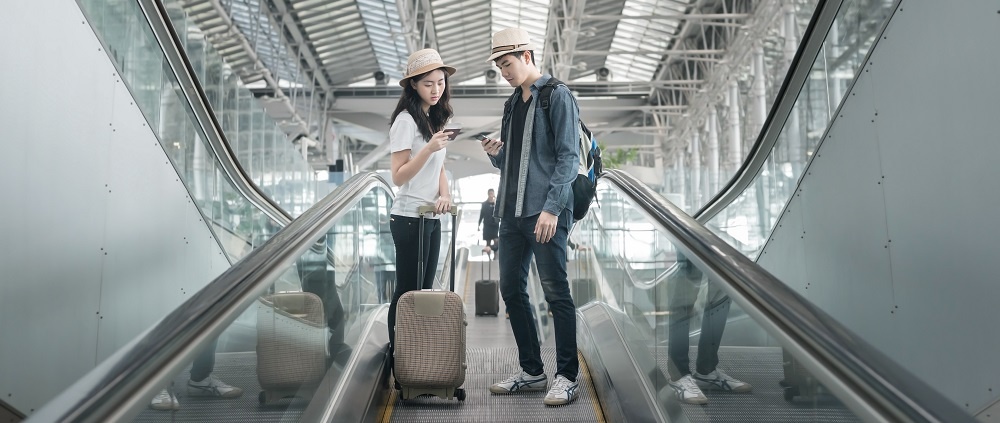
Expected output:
(633, 64)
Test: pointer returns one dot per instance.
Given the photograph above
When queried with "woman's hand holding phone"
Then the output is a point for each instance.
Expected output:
(490, 146)
(438, 141)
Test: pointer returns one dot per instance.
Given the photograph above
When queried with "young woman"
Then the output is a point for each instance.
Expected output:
(417, 142)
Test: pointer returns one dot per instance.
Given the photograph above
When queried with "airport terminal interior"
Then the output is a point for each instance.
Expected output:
(795, 219)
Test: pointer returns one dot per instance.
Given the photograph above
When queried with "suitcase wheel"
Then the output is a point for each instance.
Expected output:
(460, 394)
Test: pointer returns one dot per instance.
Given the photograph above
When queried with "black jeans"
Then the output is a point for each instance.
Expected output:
(204, 362)
(683, 291)
(405, 235)
(518, 245)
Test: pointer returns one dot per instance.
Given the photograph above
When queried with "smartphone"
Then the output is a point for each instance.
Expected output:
(453, 132)
(482, 137)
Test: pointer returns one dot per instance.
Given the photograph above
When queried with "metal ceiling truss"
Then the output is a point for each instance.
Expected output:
(680, 55)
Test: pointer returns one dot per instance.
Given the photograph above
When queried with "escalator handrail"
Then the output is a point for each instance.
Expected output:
(194, 93)
(133, 374)
(872, 385)
(798, 72)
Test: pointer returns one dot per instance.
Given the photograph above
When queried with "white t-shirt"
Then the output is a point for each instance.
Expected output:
(423, 188)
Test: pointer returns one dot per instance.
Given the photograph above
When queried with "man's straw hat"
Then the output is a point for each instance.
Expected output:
(423, 61)
(509, 41)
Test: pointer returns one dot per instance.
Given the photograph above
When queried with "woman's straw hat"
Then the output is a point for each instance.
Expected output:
(423, 61)
(509, 41)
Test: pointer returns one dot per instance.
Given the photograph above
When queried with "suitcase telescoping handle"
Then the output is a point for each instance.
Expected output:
(424, 212)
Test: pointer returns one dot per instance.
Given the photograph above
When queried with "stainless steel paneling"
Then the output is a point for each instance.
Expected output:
(907, 261)
(91, 208)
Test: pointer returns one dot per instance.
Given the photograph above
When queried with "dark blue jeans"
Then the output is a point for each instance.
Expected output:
(517, 246)
(683, 291)
(405, 235)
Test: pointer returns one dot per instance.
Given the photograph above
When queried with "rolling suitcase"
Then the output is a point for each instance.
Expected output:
(291, 345)
(487, 293)
(429, 355)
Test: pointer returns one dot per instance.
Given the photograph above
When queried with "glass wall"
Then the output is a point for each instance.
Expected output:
(260, 145)
(749, 219)
(725, 116)
(316, 312)
(667, 304)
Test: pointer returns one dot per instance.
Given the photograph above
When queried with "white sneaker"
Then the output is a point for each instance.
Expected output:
(719, 380)
(521, 381)
(563, 391)
(688, 391)
(165, 401)
(214, 388)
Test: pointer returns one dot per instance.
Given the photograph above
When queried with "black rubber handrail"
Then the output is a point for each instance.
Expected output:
(875, 387)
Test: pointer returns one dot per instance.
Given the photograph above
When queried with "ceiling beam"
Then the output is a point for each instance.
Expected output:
(679, 17)
(290, 28)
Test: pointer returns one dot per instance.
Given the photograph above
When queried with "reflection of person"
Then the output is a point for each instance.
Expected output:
(202, 383)
(488, 223)
(318, 277)
(538, 164)
(417, 143)
(682, 291)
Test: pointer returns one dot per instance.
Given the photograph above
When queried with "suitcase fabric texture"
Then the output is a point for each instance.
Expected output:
(291, 345)
(487, 293)
(430, 338)
(430, 344)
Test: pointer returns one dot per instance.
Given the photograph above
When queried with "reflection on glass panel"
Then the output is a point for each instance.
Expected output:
(689, 325)
(135, 51)
(269, 363)
(749, 219)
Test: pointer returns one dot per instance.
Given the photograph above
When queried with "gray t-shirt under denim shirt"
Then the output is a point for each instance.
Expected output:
(423, 188)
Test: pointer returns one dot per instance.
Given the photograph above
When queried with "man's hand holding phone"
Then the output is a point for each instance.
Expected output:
(490, 146)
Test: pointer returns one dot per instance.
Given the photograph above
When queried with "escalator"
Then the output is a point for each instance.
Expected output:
(620, 339)
(623, 334)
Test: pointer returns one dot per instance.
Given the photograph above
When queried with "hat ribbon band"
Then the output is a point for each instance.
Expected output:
(507, 47)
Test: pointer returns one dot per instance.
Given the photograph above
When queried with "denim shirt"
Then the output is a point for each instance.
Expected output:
(549, 156)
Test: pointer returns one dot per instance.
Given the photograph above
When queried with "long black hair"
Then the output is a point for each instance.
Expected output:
(436, 117)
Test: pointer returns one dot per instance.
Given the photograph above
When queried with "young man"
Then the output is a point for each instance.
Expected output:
(488, 223)
(538, 160)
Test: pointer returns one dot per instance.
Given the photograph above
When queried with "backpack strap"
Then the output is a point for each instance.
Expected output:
(546, 92)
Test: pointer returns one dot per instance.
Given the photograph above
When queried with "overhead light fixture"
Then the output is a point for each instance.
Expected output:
(380, 78)
(603, 74)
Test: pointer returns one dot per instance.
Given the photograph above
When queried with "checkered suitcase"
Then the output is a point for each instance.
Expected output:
(430, 336)
(291, 345)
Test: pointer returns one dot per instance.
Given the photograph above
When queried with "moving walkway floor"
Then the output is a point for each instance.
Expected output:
(492, 357)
